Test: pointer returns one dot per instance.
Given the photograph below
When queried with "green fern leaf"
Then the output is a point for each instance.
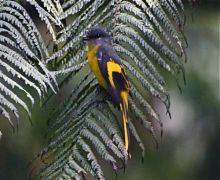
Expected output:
(22, 61)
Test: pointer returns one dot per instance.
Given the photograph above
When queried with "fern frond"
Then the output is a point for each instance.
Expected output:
(14, 97)
(22, 60)
(9, 105)
(15, 73)
(15, 84)
(91, 157)
(49, 16)
(99, 146)
(140, 66)
(5, 113)
(148, 37)
(75, 8)
(151, 52)
(83, 161)
(137, 137)
(35, 38)
(93, 125)
(149, 66)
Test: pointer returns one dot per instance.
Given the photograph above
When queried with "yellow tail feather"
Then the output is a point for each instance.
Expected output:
(126, 135)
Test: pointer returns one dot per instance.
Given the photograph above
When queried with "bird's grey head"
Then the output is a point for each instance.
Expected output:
(96, 34)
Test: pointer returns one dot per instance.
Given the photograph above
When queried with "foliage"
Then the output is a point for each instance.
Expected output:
(23, 57)
(147, 35)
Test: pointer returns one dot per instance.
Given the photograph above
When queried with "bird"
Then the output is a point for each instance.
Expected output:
(107, 67)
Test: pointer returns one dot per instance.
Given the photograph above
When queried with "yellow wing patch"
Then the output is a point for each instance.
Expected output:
(112, 67)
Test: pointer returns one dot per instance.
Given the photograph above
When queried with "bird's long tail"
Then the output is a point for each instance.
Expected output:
(124, 110)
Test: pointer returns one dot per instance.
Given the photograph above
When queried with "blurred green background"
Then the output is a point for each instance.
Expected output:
(190, 147)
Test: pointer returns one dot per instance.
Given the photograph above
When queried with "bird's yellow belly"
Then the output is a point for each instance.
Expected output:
(94, 66)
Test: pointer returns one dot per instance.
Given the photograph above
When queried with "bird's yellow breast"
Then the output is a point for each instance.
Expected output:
(94, 66)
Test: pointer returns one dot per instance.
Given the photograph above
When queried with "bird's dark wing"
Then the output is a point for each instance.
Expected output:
(112, 71)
